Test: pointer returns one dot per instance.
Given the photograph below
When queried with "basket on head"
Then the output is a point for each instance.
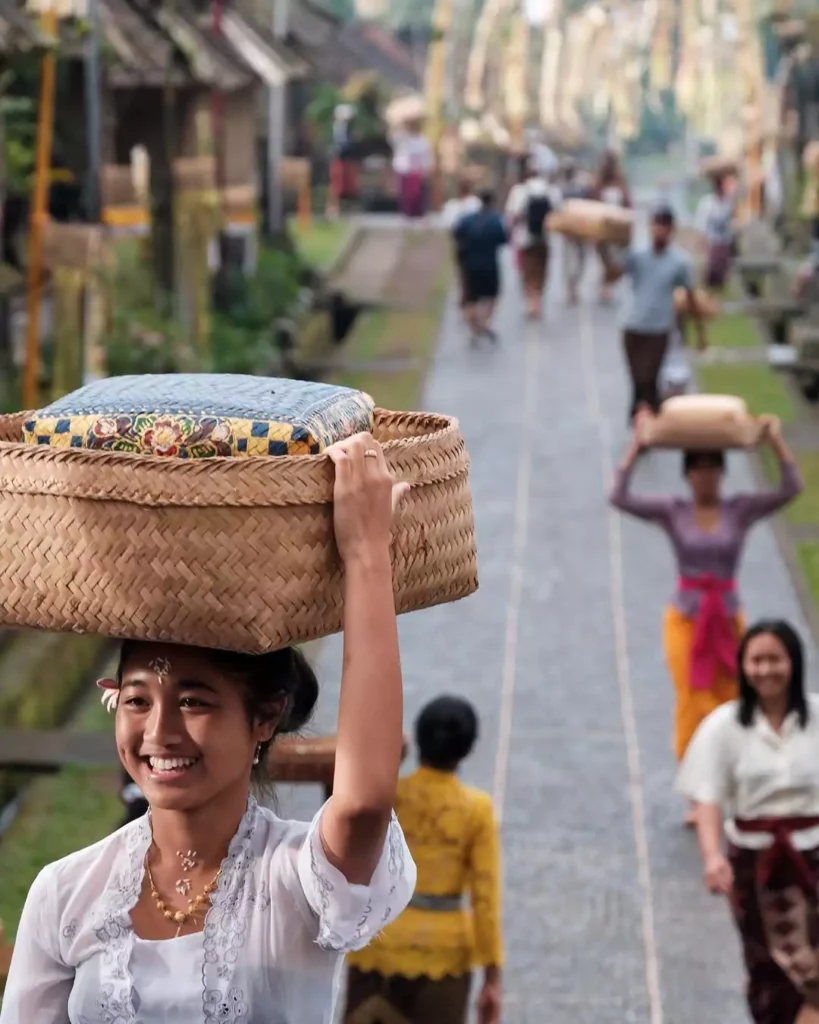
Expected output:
(718, 166)
(227, 552)
(700, 422)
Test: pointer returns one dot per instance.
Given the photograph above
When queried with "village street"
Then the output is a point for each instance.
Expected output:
(606, 917)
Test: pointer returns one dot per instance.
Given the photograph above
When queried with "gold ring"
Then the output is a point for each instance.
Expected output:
(371, 453)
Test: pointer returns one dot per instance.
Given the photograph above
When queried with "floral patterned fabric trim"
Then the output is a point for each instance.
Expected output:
(350, 916)
(197, 436)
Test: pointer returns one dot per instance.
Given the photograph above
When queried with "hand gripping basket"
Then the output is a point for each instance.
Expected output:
(227, 553)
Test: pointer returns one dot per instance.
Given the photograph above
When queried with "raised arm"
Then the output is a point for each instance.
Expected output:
(654, 510)
(755, 506)
(485, 887)
(370, 717)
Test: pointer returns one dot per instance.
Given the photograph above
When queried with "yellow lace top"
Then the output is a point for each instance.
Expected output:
(451, 831)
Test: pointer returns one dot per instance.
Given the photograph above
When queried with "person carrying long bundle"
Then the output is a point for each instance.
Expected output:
(703, 622)
(753, 771)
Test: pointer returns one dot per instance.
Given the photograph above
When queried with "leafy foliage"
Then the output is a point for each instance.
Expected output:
(144, 336)
(243, 339)
(364, 91)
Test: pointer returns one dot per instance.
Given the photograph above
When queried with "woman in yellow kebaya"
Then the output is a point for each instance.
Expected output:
(419, 970)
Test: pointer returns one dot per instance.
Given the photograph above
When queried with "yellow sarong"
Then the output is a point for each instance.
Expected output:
(692, 706)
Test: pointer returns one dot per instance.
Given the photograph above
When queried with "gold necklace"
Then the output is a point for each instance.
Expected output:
(180, 917)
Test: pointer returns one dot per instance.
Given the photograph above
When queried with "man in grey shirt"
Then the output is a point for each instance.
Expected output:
(656, 271)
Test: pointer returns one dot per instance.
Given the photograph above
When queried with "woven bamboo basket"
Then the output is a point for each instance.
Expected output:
(226, 553)
(700, 421)
(707, 305)
(592, 220)
(716, 166)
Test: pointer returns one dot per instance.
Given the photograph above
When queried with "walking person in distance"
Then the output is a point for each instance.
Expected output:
(480, 236)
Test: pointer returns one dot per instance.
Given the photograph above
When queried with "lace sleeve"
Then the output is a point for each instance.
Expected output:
(39, 983)
(350, 916)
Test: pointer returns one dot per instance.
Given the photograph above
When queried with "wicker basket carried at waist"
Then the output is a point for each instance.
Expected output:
(592, 220)
(707, 306)
(704, 422)
(234, 553)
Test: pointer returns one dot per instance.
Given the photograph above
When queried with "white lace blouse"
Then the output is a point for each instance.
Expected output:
(281, 918)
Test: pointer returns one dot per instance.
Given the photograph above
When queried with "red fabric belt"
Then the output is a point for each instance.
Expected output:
(781, 854)
(715, 640)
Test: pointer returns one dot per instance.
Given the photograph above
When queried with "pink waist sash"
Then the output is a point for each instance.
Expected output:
(715, 639)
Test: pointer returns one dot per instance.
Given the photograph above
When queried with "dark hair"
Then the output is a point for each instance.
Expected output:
(664, 216)
(445, 732)
(609, 170)
(694, 458)
(265, 680)
(790, 640)
(487, 197)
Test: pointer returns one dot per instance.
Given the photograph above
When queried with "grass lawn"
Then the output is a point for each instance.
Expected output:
(394, 333)
(321, 243)
(390, 334)
(805, 510)
(733, 330)
(759, 386)
(807, 553)
(61, 813)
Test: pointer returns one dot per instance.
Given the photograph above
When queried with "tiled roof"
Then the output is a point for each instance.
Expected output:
(361, 47)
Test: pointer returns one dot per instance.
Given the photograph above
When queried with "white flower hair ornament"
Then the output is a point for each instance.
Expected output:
(110, 694)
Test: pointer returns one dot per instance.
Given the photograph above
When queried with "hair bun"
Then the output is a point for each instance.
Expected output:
(303, 693)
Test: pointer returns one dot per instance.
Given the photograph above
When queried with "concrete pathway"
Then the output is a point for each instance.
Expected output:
(606, 918)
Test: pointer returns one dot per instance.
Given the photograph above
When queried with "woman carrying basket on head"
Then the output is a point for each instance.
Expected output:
(211, 907)
(413, 163)
(753, 766)
(703, 622)
(419, 969)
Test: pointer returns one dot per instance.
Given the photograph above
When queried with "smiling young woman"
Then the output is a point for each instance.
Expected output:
(753, 767)
(211, 907)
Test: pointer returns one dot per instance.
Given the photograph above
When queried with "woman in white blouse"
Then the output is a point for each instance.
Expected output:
(210, 907)
(413, 162)
(753, 766)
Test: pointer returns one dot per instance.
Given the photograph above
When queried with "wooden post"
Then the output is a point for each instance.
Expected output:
(305, 205)
(434, 86)
(39, 213)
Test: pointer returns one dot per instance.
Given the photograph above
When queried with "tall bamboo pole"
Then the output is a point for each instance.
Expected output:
(39, 212)
(434, 88)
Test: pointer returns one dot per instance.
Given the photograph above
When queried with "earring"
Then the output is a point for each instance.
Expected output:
(258, 755)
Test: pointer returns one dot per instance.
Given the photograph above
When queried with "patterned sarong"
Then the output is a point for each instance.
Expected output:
(778, 922)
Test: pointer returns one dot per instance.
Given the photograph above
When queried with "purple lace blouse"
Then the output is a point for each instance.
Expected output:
(697, 551)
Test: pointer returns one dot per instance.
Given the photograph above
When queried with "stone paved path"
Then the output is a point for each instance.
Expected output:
(372, 260)
(606, 918)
